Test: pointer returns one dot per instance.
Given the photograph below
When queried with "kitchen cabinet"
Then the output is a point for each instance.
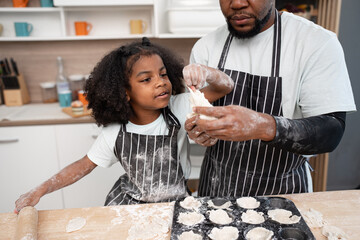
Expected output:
(109, 18)
(27, 158)
(73, 142)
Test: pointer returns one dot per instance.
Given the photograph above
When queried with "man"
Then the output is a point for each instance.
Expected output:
(290, 99)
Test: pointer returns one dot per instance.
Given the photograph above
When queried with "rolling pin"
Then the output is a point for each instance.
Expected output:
(26, 224)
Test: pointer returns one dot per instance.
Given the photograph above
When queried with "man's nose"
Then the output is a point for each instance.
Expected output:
(238, 4)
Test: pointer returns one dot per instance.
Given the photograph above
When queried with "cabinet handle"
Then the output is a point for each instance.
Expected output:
(11, 140)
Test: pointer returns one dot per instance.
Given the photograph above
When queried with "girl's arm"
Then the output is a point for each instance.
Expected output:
(219, 83)
(65, 177)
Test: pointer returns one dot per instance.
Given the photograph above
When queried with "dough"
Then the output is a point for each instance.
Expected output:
(225, 233)
(259, 233)
(313, 218)
(226, 205)
(247, 202)
(190, 203)
(154, 228)
(190, 236)
(75, 224)
(253, 217)
(197, 98)
(333, 233)
(191, 218)
(283, 216)
(219, 217)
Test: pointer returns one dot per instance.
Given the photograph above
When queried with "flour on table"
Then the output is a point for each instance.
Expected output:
(226, 205)
(225, 233)
(190, 203)
(197, 99)
(333, 233)
(253, 217)
(259, 233)
(313, 218)
(247, 202)
(191, 218)
(190, 236)
(219, 217)
(155, 227)
(283, 216)
(75, 224)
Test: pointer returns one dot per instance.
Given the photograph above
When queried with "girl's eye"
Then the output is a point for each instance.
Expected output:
(163, 75)
(145, 80)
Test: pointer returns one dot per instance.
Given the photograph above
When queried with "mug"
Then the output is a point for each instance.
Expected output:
(137, 26)
(46, 3)
(81, 97)
(82, 28)
(23, 29)
(65, 98)
(20, 3)
(1, 29)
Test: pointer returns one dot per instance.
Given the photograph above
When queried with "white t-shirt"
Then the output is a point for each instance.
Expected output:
(312, 66)
(102, 151)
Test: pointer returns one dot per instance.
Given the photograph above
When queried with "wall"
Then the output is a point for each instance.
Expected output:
(37, 60)
(344, 164)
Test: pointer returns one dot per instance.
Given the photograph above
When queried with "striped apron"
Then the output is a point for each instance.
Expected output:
(152, 167)
(252, 168)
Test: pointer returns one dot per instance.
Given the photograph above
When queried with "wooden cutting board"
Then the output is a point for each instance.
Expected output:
(112, 222)
(68, 110)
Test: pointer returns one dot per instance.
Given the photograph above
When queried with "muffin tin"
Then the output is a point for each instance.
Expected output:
(297, 231)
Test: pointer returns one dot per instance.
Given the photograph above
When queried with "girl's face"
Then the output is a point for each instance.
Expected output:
(150, 89)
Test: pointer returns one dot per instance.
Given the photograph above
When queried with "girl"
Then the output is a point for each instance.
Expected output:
(135, 93)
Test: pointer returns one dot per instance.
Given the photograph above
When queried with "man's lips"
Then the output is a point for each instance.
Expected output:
(240, 19)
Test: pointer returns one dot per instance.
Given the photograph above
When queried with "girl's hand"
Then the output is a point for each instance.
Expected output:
(196, 75)
(30, 198)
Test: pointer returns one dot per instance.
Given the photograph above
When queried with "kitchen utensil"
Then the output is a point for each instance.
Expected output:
(82, 97)
(46, 3)
(48, 92)
(20, 3)
(26, 224)
(14, 66)
(23, 29)
(65, 98)
(7, 66)
(76, 84)
(82, 28)
(298, 230)
(69, 111)
(137, 26)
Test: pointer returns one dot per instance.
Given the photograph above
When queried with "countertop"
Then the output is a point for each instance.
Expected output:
(37, 114)
(339, 208)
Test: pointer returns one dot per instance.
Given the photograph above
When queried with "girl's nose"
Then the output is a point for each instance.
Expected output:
(160, 81)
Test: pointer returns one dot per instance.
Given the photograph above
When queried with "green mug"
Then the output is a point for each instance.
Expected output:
(23, 29)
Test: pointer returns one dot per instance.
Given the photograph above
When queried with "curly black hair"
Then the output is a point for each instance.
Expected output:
(106, 87)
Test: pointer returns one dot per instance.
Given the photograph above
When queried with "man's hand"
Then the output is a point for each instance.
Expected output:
(235, 123)
(196, 135)
(30, 198)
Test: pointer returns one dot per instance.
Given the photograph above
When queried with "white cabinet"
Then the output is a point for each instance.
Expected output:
(27, 158)
(110, 20)
(73, 142)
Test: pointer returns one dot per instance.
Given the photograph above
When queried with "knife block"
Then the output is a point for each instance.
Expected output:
(17, 94)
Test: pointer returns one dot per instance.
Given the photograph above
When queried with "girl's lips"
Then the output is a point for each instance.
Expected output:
(163, 95)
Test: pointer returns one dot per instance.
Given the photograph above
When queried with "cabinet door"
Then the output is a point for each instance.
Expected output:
(74, 141)
(27, 158)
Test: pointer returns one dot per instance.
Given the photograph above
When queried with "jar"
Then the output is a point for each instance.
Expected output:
(48, 92)
(77, 82)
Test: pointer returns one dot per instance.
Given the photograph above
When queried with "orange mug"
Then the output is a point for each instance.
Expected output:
(20, 3)
(82, 97)
(82, 28)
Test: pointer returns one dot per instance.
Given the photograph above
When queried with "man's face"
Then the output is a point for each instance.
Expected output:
(246, 18)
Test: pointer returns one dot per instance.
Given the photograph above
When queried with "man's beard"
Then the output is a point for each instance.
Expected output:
(259, 24)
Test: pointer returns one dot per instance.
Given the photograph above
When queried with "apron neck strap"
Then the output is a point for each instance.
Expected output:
(275, 67)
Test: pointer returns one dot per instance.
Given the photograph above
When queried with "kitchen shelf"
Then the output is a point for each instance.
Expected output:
(102, 2)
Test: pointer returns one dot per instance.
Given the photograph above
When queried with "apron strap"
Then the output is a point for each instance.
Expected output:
(275, 68)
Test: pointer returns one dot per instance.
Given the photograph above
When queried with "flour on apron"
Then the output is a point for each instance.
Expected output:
(252, 167)
(152, 167)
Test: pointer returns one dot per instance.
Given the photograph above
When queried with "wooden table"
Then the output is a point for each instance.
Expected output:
(339, 208)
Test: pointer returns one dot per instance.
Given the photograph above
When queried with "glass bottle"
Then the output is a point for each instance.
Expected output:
(62, 85)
